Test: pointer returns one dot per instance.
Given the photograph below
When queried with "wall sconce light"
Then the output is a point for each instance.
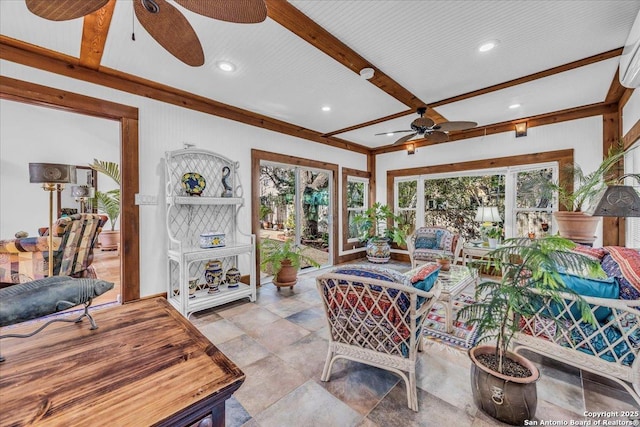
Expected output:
(521, 129)
(411, 149)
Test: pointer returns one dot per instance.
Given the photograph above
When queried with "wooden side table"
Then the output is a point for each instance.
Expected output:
(144, 365)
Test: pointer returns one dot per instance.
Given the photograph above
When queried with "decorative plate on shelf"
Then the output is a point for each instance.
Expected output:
(193, 183)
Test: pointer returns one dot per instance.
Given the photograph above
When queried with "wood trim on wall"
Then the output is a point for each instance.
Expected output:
(30, 93)
(347, 172)
(256, 157)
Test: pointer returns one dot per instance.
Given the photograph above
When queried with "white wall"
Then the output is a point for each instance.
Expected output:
(164, 127)
(33, 134)
(584, 136)
(631, 112)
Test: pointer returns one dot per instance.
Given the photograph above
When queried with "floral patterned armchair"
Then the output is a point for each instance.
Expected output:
(74, 237)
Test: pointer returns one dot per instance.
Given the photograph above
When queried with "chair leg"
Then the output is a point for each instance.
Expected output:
(326, 371)
(412, 392)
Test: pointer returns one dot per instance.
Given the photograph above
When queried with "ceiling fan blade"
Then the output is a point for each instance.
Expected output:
(393, 132)
(64, 10)
(422, 122)
(172, 31)
(238, 11)
(449, 126)
(404, 139)
(436, 136)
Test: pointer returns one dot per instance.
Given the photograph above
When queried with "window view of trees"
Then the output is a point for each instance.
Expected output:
(453, 202)
(356, 204)
(278, 208)
(534, 205)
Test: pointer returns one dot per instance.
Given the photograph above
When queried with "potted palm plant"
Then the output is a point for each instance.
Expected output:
(284, 259)
(503, 383)
(109, 204)
(378, 225)
(576, 191)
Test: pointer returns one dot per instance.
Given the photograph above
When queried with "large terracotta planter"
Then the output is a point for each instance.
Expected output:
(287, 276)
(109, 240)
(507, 399)
(577, 226)
(378, 250)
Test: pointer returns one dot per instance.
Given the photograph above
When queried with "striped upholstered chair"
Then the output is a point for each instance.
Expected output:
(74, 237)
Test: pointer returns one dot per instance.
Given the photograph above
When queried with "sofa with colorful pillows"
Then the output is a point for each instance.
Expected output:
(610, 345)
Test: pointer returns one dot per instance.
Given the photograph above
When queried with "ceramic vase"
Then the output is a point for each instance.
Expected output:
(232, 278)
(213, 275)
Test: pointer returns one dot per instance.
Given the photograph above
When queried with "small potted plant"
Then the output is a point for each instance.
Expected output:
(264, 213)
(444, 261)
(283, 259)
(494, 234)
(503, 383)
(378, 225)
(576, 191)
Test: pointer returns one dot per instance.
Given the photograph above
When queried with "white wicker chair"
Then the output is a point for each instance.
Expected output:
(610, 348)
(375, 322)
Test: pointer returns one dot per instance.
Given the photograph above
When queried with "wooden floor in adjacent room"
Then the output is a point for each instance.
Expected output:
(107, 266)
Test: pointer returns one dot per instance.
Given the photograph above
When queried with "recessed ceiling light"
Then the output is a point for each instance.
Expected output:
(389, 133)
(326, 108)
(226, 66)
(514, 106)
(486, 47)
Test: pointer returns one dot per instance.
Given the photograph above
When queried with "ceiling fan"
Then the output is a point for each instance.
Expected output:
(426, 128)
(164, 22)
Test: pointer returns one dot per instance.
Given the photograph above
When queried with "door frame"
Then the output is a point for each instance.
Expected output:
(257, 156)
(44, 96)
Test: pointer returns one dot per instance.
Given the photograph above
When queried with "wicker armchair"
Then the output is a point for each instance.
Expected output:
(376, 318)
(425, 244)
(74, 237)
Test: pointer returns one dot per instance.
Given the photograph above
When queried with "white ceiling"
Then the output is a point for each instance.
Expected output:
(428, 47)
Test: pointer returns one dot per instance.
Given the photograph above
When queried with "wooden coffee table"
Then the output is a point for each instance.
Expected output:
(453, 282)
(144, 365)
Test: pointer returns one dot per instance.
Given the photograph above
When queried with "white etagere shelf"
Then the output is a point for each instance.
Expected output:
(189, 216)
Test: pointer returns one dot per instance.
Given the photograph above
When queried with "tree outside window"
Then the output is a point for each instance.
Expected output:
(357, 201)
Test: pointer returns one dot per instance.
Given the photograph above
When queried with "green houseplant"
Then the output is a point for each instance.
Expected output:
(530, 271)
(109, 203)
(284, 259)
(577, 190)
(377, 226)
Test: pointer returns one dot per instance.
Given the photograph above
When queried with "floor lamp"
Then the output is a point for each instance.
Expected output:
(83, 193)
(53, 177)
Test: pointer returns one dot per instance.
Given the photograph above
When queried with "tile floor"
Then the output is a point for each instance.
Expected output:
(280, 342)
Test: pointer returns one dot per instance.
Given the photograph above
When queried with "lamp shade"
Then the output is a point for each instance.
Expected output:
(617, 200)
(83, 191)
(51, 173)
(488, 214)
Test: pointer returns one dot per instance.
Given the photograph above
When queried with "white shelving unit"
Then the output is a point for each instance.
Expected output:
(190, 216)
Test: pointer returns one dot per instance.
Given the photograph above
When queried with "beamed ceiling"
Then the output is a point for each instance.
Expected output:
(558, 60)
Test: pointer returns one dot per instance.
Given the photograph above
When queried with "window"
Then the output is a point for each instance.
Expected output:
(406, 205)
(451, 199)
(356, 188)
(357, 203)
(533, 206)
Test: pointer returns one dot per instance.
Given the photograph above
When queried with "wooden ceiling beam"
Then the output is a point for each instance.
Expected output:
(371, 122)
(614, 91)
(597, 109)
(285, 14)
(94, 35)
(44, 59)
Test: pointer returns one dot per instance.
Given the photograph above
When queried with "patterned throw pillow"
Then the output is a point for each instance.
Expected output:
(424, 278)
(595, 254)
(624, 265)
(427, 241)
